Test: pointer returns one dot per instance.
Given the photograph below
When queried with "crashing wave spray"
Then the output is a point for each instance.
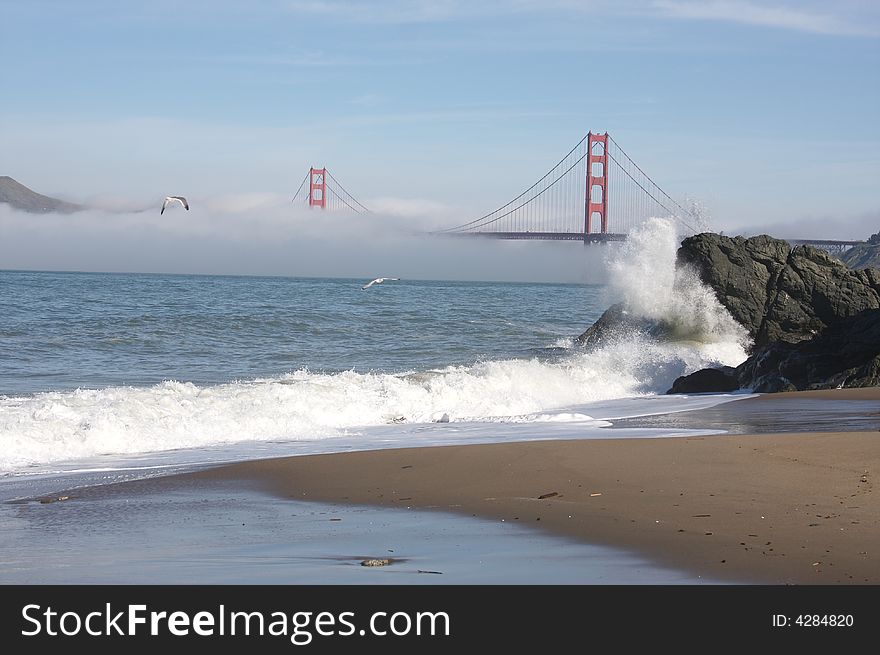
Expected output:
(667, 324)
(645, 276)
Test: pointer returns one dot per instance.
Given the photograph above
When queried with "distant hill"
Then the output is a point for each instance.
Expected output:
(20, 197)
(864, 255)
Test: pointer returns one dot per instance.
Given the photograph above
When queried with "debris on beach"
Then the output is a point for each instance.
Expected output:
(55, 499)
(548, 495)
(434, 572)
(376, 562)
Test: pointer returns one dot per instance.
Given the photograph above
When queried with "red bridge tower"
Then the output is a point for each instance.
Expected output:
(318, 187)
(597, 182)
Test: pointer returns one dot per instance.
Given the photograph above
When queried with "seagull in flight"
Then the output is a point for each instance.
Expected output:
(378, 280)
(172, 199)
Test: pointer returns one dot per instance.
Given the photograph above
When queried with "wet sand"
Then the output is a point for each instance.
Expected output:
(774, 508)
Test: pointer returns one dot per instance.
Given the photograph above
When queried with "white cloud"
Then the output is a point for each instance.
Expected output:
(258, 234)
(769, 14)
(855, 227)
(845, 17)
(414, 208)
(242, 202)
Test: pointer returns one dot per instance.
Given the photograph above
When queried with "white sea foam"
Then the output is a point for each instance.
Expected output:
(644, 274)
(304, 405)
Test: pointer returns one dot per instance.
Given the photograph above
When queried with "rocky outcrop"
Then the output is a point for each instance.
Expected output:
(845, 354)
(617, 323)
(779, 293)
(815, 321)
(714, 380)
(864, 255)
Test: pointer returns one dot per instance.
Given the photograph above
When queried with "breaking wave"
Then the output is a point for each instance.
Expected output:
(306, 405)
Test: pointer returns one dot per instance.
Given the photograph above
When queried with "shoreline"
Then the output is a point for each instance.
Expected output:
(785, 497)
(773, 508)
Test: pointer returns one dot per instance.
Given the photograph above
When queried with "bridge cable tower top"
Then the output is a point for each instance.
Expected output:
(326, 192)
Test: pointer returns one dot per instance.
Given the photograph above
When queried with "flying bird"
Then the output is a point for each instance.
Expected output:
(378, 280)
(172, 199)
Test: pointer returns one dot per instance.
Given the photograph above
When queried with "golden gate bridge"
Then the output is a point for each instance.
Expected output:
(325, 192)
(596, 193)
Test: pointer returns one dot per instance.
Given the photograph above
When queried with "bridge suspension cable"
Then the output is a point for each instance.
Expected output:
(488, 218)
(595, 192)
(301, 185)
(681, 210)
(345, 194)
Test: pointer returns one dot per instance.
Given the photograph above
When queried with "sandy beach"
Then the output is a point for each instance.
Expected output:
(778, 508)
(782, 498)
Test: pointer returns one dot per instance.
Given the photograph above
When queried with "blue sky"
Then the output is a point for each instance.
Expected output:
(765, 111)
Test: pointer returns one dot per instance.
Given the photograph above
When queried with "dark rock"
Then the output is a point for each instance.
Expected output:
(779, 293)
(716, 380)
(864, 255)
(53, 499)
(617, 323)
(814, 322)
(845, 354)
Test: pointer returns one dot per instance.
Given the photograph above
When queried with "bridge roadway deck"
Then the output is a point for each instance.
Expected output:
(595, 237)
(833, 245)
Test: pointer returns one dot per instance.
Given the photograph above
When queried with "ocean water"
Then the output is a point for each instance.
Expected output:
(108, 377)
(116, 376)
